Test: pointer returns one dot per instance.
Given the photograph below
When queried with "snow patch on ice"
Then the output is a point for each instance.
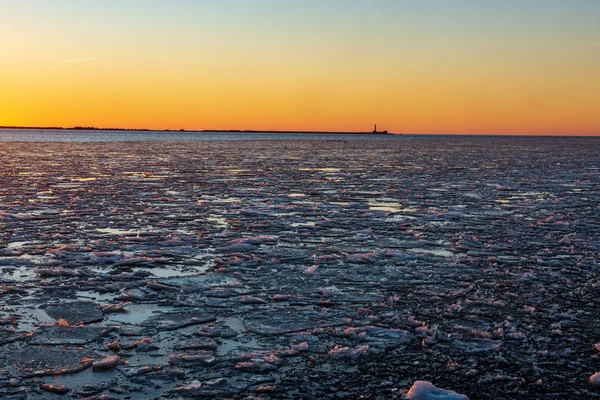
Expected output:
(423, 390)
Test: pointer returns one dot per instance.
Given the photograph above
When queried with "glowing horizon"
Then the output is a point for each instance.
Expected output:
(457, 66)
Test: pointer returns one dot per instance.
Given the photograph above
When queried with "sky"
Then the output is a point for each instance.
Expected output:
(420, 66)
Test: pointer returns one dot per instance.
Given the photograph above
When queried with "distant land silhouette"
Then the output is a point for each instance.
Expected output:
(93, 128)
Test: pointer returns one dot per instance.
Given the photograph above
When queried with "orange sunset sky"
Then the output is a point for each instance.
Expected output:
(446, 66)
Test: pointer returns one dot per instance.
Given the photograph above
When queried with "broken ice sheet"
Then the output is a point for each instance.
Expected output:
(454, 261)
(75, 313)
(67, 335)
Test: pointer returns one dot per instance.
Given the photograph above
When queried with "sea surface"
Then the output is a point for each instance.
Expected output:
(292, 269)
(82, 136)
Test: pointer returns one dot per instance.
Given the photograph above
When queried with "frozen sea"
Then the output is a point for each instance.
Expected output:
(286, 269)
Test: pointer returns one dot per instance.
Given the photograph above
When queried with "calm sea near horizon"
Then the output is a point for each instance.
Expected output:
(83, 136)
(71, 135)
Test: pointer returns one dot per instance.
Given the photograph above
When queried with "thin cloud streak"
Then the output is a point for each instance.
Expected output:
(98, 58)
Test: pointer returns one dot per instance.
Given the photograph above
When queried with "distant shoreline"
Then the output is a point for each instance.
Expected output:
(84, 128)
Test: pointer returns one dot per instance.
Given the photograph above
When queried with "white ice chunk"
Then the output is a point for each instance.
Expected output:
(423, 390)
